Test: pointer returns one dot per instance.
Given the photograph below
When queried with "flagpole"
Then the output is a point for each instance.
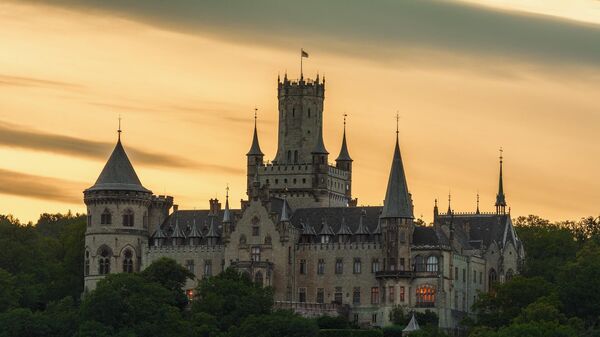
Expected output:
(301, 75)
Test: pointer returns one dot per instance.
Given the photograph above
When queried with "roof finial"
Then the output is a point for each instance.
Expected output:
(449, 199)
(255, 115)
(477, 202)
(397, 122)
(119, 130)
(345, 115)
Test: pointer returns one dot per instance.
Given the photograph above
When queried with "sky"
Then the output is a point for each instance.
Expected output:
(466, 77)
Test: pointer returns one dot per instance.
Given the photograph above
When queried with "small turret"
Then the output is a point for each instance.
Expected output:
(195, 235)
(255, 157)
(500, 197)
(362, 232)
(178, 236)
(212, 235)
(344, 234)
(326, 234)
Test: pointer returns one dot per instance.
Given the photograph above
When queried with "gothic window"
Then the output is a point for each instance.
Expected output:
(127, 262)
(255, 230)
(338, 296)
(320, 295)
(106, 217)
(402, 293)
(296, 157)
(302, 267)
(464, 275)
(87, 263)
(375, 295)
(356, 295)
(128, 218)
(104, 261)
(289, 156)
(189, 265)
(207, 268)
(419, 263)
(375, 265)
(339, 266)
(258, 278)
(432, 264)
(301, 295)
(321, 267)
(425, 296)
(255, 254)
(356, 267)
(392, 294)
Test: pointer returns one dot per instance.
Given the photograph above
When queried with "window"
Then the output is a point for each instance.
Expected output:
(127, 262)
(355, 319)
(375, 265)
(128, 218)
(402, 294)
(480, 277)
(304, 180)
(324, 238)
(145, 220)
(258, 278)
(432, 264)
(425, 296)
(419, 263)
(302, 267)
(474, 276)
(402, 263)
(189, 265)
(356, 265)
(289, 255)
(374, 318)
(308, 112)
(492, 278)
(106, 217)
(255, 254)
(296, 157)
(338, 295)
(392, 294)
(87, 263)
(464, 275)
(375, 295)
(320, 295)
(289, 156)
(207, 268)
(356, 295)
(402, 237)
(302, 295)
(255, 230)
(89, 220)
(321, 267)
(456, 273)
(339, 266)
(104, 261)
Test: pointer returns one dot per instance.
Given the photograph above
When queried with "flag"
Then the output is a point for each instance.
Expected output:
(303, 53)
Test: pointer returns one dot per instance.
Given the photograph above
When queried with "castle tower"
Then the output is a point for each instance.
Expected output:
(344, 162)
(255, 158)
(118, 209)
(500, 197)
(300, 119)
(397, 216)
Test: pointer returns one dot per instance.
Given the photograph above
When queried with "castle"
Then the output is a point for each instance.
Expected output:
(301, 232)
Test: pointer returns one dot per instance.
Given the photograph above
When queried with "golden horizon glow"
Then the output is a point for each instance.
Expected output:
(191, 97)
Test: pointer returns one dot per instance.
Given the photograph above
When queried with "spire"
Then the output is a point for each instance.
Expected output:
(325, 229)
(320, 146)
(477, 211)
(177, 232)
(255, 148)
(344, 155)
(397, 202)
(119, 130)
(435, 207)
(226, 212)
(362, 229)
(212, 229)
(500, 198)
(449, 199)
(195, 233)
(344, 229)
(284, 214)
(118, 173)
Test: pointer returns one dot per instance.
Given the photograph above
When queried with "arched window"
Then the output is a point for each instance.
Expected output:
(419, 263)
(509, 275)
(296, 157)
(128, 218)
(432, 264)
(127, 261)
(145, 220)
(492, 278)
(104, 261)
(308, 112)
(106, 217)
(258, 278)
(425, 296)
(289, 156)
(87, 263)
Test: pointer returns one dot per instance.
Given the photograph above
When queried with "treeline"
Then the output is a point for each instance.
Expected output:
(557, 293)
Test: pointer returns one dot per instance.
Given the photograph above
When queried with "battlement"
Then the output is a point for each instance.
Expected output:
(162, 199)
(471, 214)
(182, 249)
(337, 246)
(301, 87)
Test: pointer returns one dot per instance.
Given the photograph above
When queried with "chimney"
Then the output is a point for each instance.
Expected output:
(215, 206)
(175, 208)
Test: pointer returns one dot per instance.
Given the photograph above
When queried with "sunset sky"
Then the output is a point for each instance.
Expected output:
(467, 77)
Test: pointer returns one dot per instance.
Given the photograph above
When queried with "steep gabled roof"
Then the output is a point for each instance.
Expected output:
(344, 229)
(255, 148)
(118, 174)
(344, 154)
(397, 202)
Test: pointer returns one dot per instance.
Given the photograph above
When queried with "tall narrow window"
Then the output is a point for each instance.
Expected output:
(128, 218)
(289, 156)
(356, 295)
(375, 295)
(255, 254)
(189, 265)
(301, 295)
(308, 112)
(432, 264)
(392, 294)
(104, 261)
(425, 296)
(89, 220)
(296, 157)
(356, 266)
(106, 217)
(87, 263)
(207, 268)
(302, 267)
(320, 295)
(402, 294)
(127, 262)
(339, 266)
(321, 267)
(338, 296)
(375, 265)
(419, 263)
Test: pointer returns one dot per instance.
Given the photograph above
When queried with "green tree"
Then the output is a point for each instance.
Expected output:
(278, 324)
(170, 275)
(9, 294)
(231, 297)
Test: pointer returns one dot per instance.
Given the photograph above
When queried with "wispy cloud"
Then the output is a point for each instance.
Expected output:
(22, 81)
(385, 30)
(16, 136)
(39, 187)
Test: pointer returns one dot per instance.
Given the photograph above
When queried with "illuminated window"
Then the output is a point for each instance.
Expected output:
(432, 264)
(190, 294)
(128, 218)
(127, 262)
(106, 217)
(425, 296)
(402, 294)
(104, 261)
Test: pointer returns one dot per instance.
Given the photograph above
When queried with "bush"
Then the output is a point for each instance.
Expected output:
(350, 333)
(329, 322)
(393, 331)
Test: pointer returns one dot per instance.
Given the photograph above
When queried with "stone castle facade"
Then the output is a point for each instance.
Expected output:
(301, 232)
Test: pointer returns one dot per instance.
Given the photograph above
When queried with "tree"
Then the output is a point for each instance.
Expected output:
(231, 297)
(278, 324)
(9, 294)
(170, 275)
(330, 322)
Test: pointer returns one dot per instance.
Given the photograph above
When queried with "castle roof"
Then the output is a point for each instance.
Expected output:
(320, 145)
(398, 203)
(255, 148)
(118, 174)
(344, 154)
(344, 229)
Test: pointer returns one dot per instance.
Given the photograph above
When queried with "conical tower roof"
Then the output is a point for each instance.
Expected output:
(344, 229)
(307, 229)
(159, 234)
(177, 232)
(362, 229)
(325, 229)
(118, 174)
(397, 202)
(344, 154)
(255, 148)
(212, 229)
(195, 232)
(320, 145)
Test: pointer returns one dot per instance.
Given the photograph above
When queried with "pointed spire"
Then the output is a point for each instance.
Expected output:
(226, 212)
(325, 229)
(344, 229)
(320, 146)
(344, 154)
(307, 229)
(118, 173)
(449, 199)
(284, 213)
(362, 229)
(500, 198)
(398, 203)
(119, 130)
(195, 233)
(177, 232)
(477, 211)
(212, 229)
(255, 148)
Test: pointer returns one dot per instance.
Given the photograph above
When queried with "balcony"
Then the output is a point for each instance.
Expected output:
(394, 274)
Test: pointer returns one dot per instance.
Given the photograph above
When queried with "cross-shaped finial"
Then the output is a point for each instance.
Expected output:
(255, 114)
(345, 115)
(119, 130)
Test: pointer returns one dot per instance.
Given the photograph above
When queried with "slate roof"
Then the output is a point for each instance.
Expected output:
(344, 155)
(320, 146)
(255, 148)
(314, 217)
(398, 203)
(483, 228)
(118, 174)
(429, 236)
